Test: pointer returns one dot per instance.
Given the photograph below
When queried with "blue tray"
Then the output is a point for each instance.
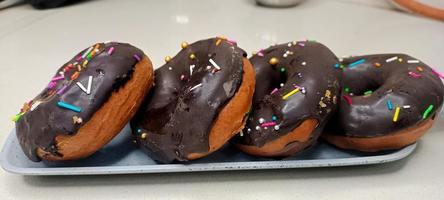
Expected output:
(121, 156)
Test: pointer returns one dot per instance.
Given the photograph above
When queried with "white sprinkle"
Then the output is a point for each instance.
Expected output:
(88, 91)
(214, 64)
(412, 61)
(191, 69)
(261, 120)
(289, 44)
(276, 127)
(35, 105)
(241, 133)
(196, 86)
(294, 42)
(282, 85)
(391, 59)
(285, 55)
(82, 87)
(406, 106)
(170, 68)
(208, 67)
(265, 128)
(258, 128)
(87, 52)
(249, 129)
(304, 63)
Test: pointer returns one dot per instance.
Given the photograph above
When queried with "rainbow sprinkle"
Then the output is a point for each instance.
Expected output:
(414, 75)
(438, 74)
(69, 106)
(61, 90)
(412, 61)
(87, 52)
(391, 59)
(348, 99)
(196, 86)
(290, 93)
(356, 63)
(16, 117)
(427, 112)
(368, 92)
(137, 57)
(267, 124)
(396, 115)
(214, 64)
(389, 104)
(110, 50)
(57, 78)
(274, 91)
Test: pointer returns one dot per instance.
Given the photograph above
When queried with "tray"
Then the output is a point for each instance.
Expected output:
(121, 156)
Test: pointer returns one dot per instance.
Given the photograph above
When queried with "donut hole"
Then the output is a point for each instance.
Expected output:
(364, 91)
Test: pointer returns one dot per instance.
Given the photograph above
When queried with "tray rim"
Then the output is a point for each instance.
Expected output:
(215, 166)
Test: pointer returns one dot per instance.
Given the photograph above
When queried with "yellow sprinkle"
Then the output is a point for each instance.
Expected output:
(143, 136)
(377, 64)
(290, 93)
(400, 59)
(218, 42)
(395, 117)
(222, 37)
(85, 63)
(254, 53)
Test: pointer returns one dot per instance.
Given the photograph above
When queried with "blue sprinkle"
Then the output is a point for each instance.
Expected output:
(274, 118)
(389, 105)
(69, 106)
(139, 130)
(337, 65)
(358, 62)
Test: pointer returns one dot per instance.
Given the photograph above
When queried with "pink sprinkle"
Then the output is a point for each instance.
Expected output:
(266, 124)
(274, 91)
(414, 75)
(110, 50)
(182, 77)
(57, 78)
(301, 44)
(79, 58)
(51, 84)
(348, 99)
(438, 74)
(260, 53)
(137, 57)
(62, 90)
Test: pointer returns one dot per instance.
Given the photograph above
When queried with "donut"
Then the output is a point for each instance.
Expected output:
(388, 102)
(87, 102)
(298, 85)
(200, 100)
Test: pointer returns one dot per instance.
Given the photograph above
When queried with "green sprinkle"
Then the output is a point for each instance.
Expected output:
(342, 66)
(427, 112)
(346, 89)
(368, 92)
(282, 69)
(16, 117)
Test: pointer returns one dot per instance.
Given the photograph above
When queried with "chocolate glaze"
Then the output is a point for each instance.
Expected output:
(305, 64)
(176, 120)
(369, 115)
(39, 127)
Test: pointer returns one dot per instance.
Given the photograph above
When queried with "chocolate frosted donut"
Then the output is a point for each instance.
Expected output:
(297, 90)
(199, 101)
(87, 102)
(389, 101)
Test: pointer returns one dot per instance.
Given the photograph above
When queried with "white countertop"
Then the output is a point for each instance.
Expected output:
(34, 43)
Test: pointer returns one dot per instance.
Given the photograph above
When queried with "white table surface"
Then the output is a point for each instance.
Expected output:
(34, 43)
